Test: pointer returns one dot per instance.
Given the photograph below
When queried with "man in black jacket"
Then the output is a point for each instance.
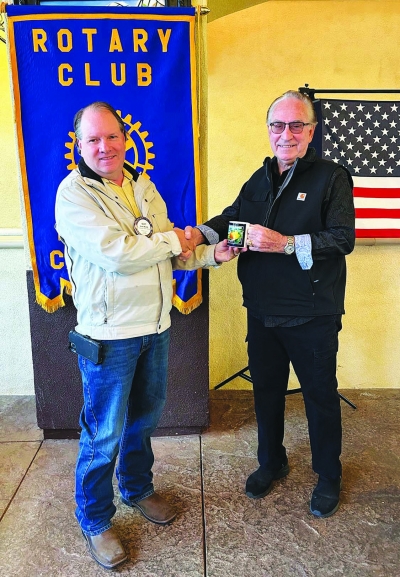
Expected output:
(293, 274)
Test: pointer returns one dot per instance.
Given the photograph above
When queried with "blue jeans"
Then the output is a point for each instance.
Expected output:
(123, 401)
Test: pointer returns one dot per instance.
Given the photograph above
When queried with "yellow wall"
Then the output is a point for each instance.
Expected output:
(9, 197)
(220, 8)
(255, 55)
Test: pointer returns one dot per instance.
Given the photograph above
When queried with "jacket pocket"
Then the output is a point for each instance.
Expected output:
(158, 215)
(160, 221)
(99, 296)
(276, 283)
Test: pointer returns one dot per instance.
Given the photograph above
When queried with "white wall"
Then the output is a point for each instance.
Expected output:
(16, 372)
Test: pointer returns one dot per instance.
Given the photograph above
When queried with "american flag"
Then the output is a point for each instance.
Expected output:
(364, 136)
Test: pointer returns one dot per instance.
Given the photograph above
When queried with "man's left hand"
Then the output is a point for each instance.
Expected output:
(223, 252)
(262, 239)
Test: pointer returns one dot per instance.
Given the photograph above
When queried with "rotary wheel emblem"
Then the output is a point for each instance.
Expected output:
(137, 147)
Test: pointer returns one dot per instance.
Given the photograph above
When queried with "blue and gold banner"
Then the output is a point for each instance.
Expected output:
(141, 61)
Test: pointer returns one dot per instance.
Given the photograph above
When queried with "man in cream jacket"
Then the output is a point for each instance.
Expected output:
(120, 248)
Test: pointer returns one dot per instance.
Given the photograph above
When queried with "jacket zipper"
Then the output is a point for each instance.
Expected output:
(162, 297)
(122, 205)
(284, 185)
(72, 266)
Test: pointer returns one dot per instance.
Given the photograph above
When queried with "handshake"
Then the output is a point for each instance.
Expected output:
(256, 238)
(192, 237)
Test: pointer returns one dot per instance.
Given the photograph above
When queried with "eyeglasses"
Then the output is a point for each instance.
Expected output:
(294, 127)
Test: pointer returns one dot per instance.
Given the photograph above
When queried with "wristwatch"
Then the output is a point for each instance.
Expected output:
(289, 248)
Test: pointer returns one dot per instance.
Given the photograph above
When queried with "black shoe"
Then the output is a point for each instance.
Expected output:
(325, 497)
(259, 484)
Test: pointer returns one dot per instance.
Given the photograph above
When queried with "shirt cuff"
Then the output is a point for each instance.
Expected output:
(209, 233)
(303, 247)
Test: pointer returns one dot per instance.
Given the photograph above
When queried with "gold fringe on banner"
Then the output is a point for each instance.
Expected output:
(52, 305)
(186, 307)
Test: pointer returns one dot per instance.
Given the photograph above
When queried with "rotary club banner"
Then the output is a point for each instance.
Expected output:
(141, 61)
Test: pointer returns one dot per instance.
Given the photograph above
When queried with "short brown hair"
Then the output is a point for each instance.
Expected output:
(99, 105)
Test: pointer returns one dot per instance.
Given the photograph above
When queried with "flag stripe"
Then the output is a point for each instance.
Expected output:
(376, 182)
(377, 192)
(384, 213)
(377, 233)
(360, 202)
(378, 223)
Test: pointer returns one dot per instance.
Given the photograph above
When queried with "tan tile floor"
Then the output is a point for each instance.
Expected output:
(219, 532)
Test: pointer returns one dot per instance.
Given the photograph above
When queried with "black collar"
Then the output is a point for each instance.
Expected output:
(87, 172)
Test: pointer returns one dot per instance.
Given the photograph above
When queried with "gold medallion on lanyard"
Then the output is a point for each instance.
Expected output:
(141, 224)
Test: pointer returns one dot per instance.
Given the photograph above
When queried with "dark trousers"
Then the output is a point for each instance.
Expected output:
(312, 350)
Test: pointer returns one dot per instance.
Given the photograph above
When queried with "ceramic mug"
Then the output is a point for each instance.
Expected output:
(237, 233)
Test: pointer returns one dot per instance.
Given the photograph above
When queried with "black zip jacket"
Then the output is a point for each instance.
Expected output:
(275, 284)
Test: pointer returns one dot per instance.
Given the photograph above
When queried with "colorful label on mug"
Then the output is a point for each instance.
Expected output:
(237, 234)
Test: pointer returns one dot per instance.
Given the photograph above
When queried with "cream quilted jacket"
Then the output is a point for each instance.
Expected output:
(121, 282)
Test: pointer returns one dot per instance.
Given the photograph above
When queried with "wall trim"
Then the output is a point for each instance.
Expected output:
(16, 242)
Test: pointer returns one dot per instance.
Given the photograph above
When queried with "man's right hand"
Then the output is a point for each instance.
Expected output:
(187, 245)
(195, 235)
